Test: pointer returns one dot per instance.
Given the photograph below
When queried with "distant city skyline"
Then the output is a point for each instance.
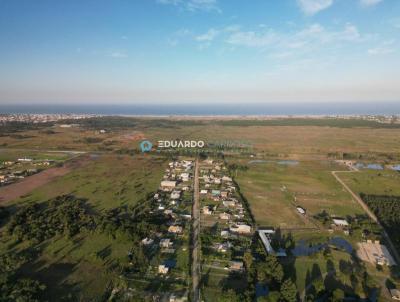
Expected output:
(191, 51)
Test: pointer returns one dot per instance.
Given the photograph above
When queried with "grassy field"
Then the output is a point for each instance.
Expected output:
(81, 267)
(281, 137)
(274, 190)
(386, 182)
(107, 181)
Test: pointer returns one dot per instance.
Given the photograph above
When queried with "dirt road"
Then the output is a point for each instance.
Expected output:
(26, 185)
(368, 211)
(196, 238)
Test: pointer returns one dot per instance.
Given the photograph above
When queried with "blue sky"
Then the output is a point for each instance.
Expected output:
(160, 51)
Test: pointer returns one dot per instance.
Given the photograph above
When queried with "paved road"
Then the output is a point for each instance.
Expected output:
(369, 212)
(196, 237)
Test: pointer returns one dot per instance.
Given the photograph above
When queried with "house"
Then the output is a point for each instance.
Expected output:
(224, 234)
(226, 178)
(168, 185)
(236, 266)
(229, 203)
(163, 269)
(175, 229)
(222, 247)
(224, 194)
(215, 193)
(340, 222)
(147, 241)
(207, 211)
(175, 194)
(224, 216)
(166, 243)
(25, 160)
(184, 176)
(203, 192)
(395, 293)
(217, 181)
(240, 229)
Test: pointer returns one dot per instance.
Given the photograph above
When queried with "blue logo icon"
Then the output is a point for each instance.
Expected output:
(146, 146)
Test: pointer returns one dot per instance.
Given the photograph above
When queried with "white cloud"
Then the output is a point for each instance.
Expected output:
(210, 35)
(380, 51)
(311, 7)
(193, 5)
(310, 37)
(370, 2)
(118, 54)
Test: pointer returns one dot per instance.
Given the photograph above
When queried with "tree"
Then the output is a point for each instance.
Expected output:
(338, 295)
(289, 291)
(248, 260)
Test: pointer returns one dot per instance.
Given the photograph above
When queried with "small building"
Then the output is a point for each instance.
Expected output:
(163, 269)
(207, 210)
(226, 178)
(224, 194)
(224, 216)
(215, 193)
(166, 243)
(240, 229)
(175, 194)
(204, 192)
(229, 203)
(175, 229)
(340, 222)
(224, 234)
(236, 266)
(168, 185)
(147, 241)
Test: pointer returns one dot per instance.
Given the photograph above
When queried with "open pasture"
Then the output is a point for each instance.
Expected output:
(274, 190)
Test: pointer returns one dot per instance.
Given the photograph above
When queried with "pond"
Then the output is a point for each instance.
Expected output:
(369, 166)
(396, 167)
(304, 249)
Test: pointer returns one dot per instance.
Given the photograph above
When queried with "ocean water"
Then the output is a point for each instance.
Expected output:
(295, 108)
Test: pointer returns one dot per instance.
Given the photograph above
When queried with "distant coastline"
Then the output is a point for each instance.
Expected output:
(212, 110)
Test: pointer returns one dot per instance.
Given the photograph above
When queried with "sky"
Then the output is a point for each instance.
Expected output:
(199, 51)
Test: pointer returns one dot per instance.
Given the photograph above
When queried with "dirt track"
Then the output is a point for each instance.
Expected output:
(26, 185)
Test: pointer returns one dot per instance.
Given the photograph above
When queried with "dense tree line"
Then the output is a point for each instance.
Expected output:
(387, 210)
(13, 288)
(62, 215)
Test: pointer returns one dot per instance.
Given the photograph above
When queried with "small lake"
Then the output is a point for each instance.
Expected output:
(304, 249)
(369, 166)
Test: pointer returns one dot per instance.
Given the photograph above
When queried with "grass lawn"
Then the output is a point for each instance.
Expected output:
(386, 182)
(107, 181)
(82, 266)
(273, 190)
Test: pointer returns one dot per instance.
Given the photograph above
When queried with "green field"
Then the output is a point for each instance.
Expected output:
(82, 267)
(274, 190)
(386, 182)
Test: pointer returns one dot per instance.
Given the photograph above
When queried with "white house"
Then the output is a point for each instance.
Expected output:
(224, 216)
(340, 222)
(207, 211)
(175, 195)
(168, 184)
(240, 229)
(163, 269)
(166, 243)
